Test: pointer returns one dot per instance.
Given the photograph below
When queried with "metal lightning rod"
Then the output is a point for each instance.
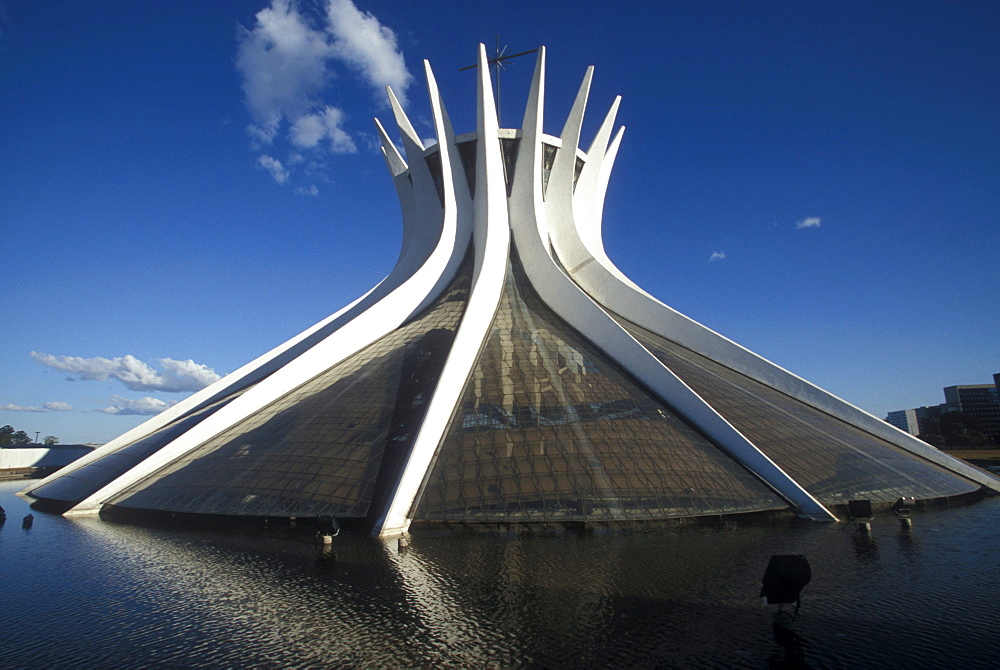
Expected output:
(498, 62)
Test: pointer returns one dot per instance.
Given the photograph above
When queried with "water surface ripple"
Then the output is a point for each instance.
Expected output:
(87, 593)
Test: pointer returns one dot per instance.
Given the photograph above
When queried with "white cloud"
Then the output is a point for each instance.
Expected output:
(183, 376)
(274, 166)
(307, 131)
(139, 407)
(310, 129)
(284, 66)
(810, 222)
(175, 376)
(11, 407)
(57, 406)
(287, 61)
(368, 47)
(312, 190)
(717, 256)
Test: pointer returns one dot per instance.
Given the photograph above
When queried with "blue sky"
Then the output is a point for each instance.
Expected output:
(186, 184)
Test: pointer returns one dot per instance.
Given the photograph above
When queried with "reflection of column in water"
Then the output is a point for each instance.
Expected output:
(575, 579)
(866, 549)
(456, 632)
(516, 576)
(256, 593)
(326, 557)
(909, 545)
(792, 652)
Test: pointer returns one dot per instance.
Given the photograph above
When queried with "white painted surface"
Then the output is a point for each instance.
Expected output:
(487, 213)
(16, 458)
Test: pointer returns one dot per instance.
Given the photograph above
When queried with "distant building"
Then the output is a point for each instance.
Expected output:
(914, 421)
(979, 401)
(34, 456)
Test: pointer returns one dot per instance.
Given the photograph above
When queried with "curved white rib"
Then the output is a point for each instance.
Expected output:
(529, 215)
(411, 296)
(580, 247)
(417, 246)
(488, 214)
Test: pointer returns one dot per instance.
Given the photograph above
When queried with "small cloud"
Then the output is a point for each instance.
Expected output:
(717, 256)
(46, 407)
(310, 129)
(283, 61)
(261, 136)
(312, 190)
(307, 131)
(11, 407)
(368, 47)
(174, 377)
(811, 222)
(274, 166)
(145, 406)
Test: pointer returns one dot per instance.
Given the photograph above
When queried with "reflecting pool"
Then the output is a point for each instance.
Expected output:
(88, 593)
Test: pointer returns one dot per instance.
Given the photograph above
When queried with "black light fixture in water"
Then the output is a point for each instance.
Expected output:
(785, 577)
(859, 512)
(903, 508)
(328, 529)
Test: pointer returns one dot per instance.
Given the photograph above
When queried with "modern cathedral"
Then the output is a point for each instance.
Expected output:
(506, 372)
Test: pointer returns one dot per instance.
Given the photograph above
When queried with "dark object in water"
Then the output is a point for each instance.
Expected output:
(27, 521)
(859, 510)
(784, 579)
(903, 507)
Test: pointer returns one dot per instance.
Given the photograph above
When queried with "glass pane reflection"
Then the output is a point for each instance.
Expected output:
(90, 478)
(318, 450)
(550, 429)
(834, 460)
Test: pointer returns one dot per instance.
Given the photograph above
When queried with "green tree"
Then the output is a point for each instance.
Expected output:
(953, 430)
(934, 439)
(50, 440)
(6, 435)
(20, 437)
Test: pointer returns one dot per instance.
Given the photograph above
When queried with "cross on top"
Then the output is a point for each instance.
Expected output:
(498, 62)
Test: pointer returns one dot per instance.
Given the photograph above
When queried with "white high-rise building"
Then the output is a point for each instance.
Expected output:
(506, 371)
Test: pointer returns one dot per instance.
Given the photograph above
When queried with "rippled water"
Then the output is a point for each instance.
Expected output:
(87, 593)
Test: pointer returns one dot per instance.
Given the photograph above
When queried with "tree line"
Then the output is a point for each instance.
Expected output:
(955, 430)
(12, 438)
